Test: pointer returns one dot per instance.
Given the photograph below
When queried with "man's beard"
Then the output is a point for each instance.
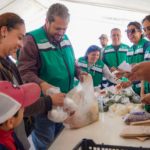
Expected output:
(52, 35)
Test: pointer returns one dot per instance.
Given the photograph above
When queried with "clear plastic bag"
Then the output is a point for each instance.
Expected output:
(136, 116)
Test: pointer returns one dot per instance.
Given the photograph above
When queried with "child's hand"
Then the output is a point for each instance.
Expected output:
(58, 99)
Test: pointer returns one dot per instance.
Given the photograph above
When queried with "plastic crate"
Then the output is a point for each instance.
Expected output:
(88, 144)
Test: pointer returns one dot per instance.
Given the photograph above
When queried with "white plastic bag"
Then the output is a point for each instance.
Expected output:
(58, 113)
(118, 109)
(83, 96)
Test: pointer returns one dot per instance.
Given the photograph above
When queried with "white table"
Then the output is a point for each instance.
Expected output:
(106, 131)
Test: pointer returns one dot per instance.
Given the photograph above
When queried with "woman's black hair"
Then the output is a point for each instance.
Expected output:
(137, 25)
(92, 48)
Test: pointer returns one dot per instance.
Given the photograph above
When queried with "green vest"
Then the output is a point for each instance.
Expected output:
(18, 51)
(95, 70)
(135, 56)
(147, 58)
(113, 58)
(58, 65)
(146, 84)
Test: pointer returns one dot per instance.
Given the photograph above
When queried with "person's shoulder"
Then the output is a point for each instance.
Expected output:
(147, 44)
(101, 62)
(125, 46)
(81, 58)
(108, 47)
(65, 37)
(35, 31)
(146, 47)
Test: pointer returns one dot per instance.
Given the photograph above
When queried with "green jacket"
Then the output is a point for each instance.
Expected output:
(58, 65)
(136, 55)
(95, 70)
(113, 58)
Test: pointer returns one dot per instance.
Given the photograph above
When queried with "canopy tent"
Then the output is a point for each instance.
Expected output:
(89, 17)
(34, 10)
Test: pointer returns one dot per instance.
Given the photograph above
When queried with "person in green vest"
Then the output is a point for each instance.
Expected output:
(47, 58)
(146, 94)
(115, 54)
(138, 51)
(92, 64)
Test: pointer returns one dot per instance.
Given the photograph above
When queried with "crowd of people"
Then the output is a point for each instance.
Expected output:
(45, 59)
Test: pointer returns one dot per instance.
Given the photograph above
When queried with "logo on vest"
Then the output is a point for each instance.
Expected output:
(130, 50)
(98, 66)
(83, 61)
(147, 52)
(43, 40)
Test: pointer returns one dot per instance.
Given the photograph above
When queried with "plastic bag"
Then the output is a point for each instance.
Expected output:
(136, 116)
(118, 109)
(58, 113)
(83, 96)
(122, 110)
(97, 88)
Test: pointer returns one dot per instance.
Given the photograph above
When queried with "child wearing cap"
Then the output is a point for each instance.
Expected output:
(13, 99)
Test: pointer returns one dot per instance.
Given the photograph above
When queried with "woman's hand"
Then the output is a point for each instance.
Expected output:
(141, 71)
(125, 84)
(112, 69)
(146, 99)
(119, 74)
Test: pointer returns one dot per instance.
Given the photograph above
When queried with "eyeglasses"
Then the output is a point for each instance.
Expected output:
(131, 31)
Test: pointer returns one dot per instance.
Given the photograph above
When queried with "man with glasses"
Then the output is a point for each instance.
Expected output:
(115, 54)
(47, 58)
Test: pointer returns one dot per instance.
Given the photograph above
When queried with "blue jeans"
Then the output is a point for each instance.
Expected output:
(45, 131)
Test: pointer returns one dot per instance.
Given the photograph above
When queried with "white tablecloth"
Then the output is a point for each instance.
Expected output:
(106, 131)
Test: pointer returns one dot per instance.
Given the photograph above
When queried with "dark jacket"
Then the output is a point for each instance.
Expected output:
(43, 104)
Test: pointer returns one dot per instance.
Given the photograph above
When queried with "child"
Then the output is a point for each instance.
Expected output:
(13, 99)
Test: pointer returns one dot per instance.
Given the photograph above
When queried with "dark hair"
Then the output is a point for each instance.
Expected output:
(15, 115)
(146, 18)
(137, 25)
(10, 20)
(115, 29)
(59, 10)
(92, 48)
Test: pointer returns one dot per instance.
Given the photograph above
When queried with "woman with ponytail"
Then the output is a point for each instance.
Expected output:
(12, 32)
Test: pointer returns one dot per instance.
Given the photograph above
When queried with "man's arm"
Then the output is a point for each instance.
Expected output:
(29, 61)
